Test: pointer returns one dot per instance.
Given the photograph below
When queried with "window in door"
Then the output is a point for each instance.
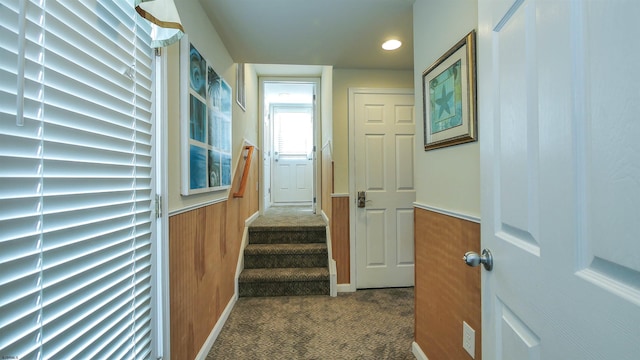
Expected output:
(293, 131)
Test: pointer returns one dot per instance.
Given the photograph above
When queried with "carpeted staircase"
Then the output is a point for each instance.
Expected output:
(285, 261)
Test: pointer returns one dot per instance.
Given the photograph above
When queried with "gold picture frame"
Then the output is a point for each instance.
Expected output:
(449, 97)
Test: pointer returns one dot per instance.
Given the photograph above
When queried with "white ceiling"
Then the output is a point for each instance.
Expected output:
(342, 33)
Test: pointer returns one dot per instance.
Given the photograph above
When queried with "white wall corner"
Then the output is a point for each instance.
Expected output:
(417, 352)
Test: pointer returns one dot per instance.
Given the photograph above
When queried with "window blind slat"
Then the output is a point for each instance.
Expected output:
(66, 104)
(57, 186)
(101, 125)
(69, 219)
(17, 289)
(63, 344)
(60, 318)
(101, 251)
(83, 24)
(19, 208)
(14, 248)
(116, 138)
(86, 154)
(19, 228)
(24, 346)
(75, 79)
(63, 169)
(100, 336)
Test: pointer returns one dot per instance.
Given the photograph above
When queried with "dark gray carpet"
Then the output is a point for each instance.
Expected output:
(367, 324)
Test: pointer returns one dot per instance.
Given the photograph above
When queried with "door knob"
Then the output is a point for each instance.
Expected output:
(473, 259)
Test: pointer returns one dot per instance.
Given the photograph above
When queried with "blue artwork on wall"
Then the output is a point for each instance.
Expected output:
(206, 126)
(198, 166)
(197, 74)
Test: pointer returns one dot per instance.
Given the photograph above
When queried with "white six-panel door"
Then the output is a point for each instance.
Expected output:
(384, 143)
(559, 132)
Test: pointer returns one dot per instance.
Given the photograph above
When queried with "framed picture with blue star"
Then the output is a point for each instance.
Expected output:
(449, 97)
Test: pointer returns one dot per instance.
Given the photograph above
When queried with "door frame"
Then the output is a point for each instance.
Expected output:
(352, 171)
(160, 254)
(262, 112)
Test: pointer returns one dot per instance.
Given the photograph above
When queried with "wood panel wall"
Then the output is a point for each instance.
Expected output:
(203, 252)
(340, 237)
(447, 292)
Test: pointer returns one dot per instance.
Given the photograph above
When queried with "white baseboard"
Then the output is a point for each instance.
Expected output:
(417, 352)
(250, 219)
(333, 278)
(204, 350)
(345, 288)
(333, 272)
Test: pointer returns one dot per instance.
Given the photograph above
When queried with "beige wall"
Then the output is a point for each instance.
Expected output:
(447, 178)
(202, 34)
(447, 293)
(343, 79)
(326, 106)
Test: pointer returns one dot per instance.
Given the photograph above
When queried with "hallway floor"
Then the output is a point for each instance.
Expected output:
(367, 324)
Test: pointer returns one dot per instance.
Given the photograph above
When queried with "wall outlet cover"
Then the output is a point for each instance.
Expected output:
(469, 339)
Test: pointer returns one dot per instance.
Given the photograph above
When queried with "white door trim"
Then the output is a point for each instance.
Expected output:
(352, 170)
(317, 191)
(161, 251)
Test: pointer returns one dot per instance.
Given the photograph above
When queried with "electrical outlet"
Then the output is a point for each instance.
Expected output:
(469, 339)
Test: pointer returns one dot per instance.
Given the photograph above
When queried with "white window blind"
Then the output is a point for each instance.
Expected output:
(76, 180)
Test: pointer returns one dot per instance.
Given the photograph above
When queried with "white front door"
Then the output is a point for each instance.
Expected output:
(559, 127)
(293, 153)
(384, 141)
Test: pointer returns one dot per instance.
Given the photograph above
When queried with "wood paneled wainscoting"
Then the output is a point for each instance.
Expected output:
(340, 237)
(447, 292)
(204, 245)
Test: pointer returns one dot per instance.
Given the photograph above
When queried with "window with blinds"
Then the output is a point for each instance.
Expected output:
(76, 180)
(293, 130)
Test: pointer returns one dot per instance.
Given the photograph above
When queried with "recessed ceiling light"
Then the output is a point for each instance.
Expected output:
(391, 44)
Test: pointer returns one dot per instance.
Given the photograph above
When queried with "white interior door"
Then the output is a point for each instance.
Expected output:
(293, 153)
(384, 144)
(559, 125)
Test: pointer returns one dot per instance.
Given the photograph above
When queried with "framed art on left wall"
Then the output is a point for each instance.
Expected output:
(205, 124)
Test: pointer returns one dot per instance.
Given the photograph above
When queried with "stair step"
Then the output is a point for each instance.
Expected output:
(287, 235)
(284, 282)
(285, 256)
(284, 275)
(285, 249)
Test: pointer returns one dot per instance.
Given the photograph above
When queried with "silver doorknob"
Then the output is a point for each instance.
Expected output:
(473, 259)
